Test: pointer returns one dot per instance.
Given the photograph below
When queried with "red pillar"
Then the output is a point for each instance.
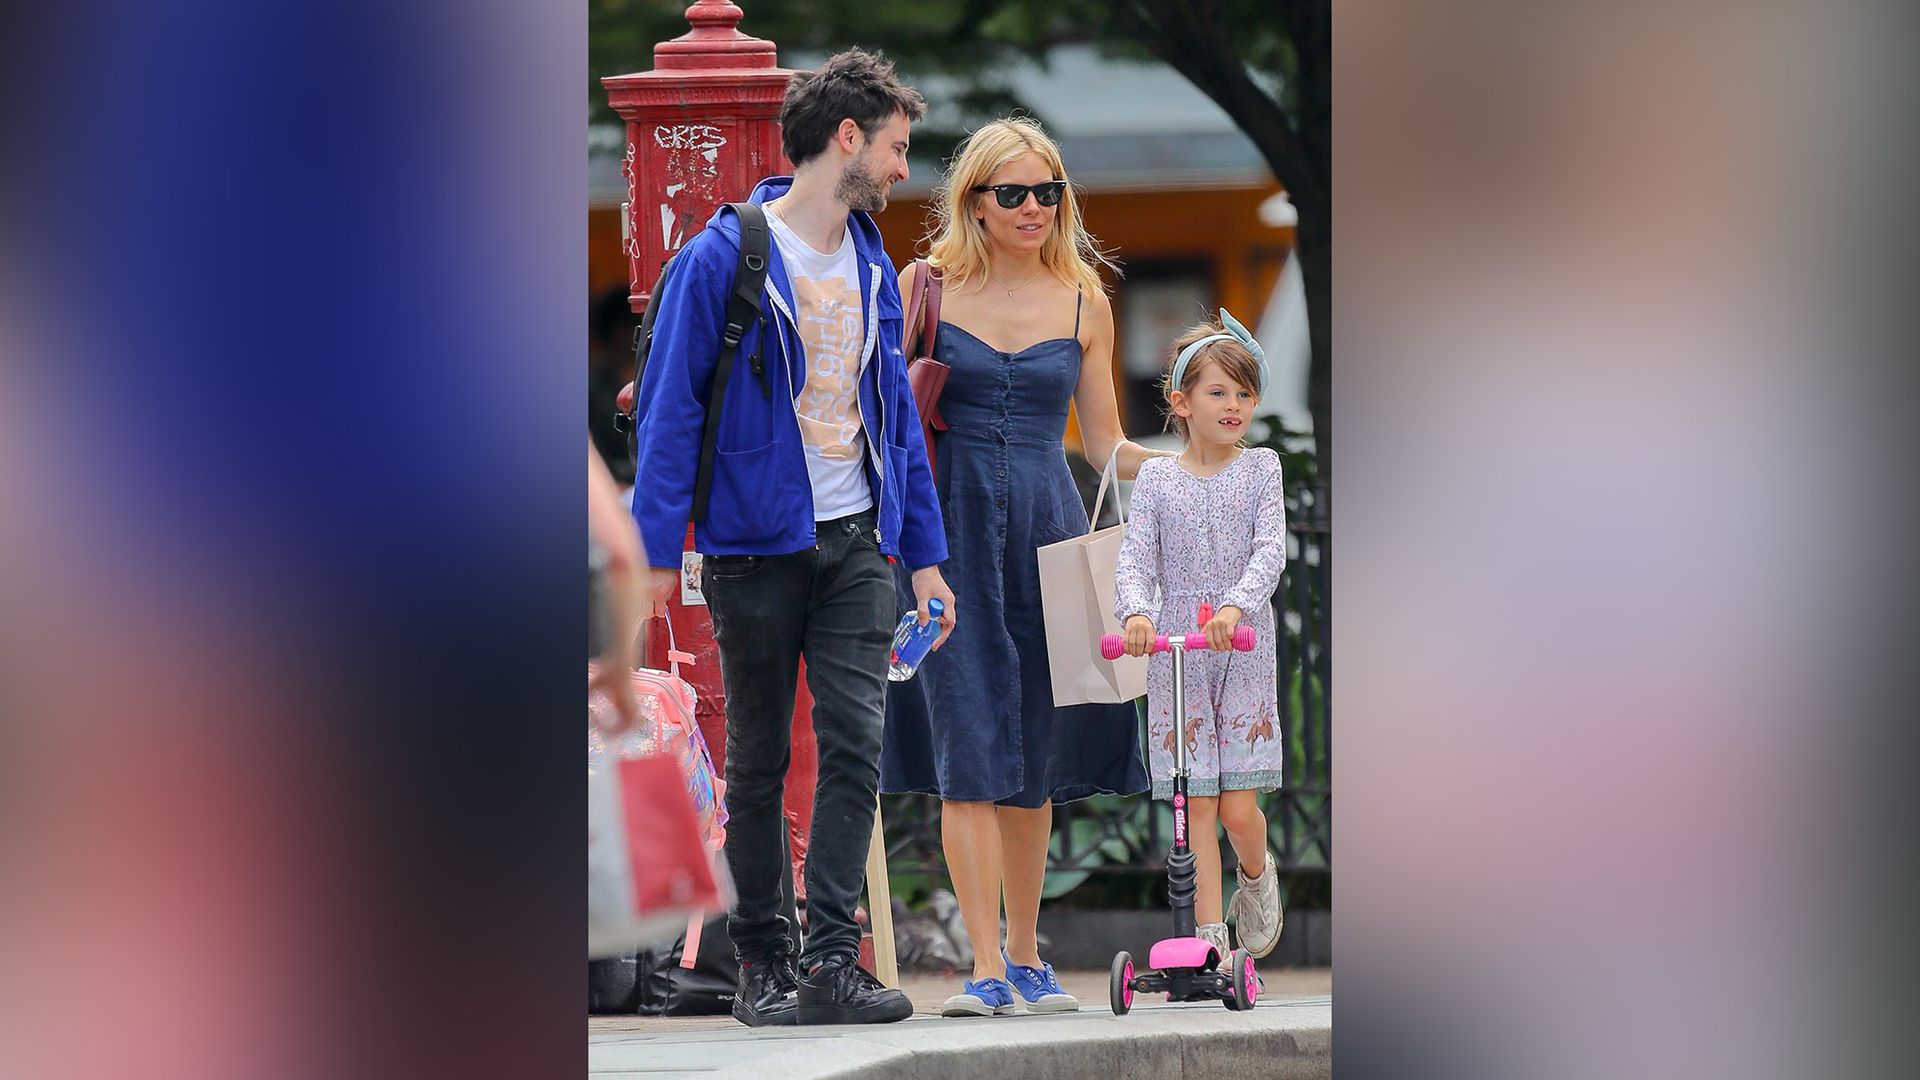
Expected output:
(702, 126)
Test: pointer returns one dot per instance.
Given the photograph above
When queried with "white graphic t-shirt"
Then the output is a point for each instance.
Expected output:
(832, 323)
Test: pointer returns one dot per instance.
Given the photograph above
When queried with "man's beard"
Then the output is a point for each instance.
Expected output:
(858, 189)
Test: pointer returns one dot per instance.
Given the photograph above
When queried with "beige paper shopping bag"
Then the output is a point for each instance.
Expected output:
(1076, 598)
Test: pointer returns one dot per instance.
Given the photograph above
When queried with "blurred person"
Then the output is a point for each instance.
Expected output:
(617, 592)
(819, 481)
(1209, 528)
(1029, 332)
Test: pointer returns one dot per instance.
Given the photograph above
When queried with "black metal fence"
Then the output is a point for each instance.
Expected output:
(1131, 835)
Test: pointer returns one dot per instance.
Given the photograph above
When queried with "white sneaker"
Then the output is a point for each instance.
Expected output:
(1255, 909)
(1215, 934)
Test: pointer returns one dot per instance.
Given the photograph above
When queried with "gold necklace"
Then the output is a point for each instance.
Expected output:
(1016, 288)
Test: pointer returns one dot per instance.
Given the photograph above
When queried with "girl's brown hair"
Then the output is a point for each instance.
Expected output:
(1233, 358)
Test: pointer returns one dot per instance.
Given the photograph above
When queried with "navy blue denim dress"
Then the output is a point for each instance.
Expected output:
(978, 723)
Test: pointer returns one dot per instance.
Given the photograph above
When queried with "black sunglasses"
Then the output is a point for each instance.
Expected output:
(1010, 196)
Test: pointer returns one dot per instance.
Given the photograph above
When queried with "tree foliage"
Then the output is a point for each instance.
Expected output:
(1265, 62)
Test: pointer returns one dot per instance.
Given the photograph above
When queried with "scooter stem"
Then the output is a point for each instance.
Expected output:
(1177, 650)
(1181, 888)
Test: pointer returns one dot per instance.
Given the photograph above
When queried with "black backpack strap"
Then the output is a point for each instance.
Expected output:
(743, 309)
(749, 286)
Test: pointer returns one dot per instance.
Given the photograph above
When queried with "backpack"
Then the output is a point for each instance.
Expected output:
(743, 309)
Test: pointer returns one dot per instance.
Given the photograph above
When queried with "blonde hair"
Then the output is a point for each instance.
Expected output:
(1233, 358)
(960, 249)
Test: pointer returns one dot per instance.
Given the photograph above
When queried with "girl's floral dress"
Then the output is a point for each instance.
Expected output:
(1220, 540)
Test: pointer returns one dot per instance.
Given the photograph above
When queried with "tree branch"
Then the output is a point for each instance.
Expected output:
(1202, 50)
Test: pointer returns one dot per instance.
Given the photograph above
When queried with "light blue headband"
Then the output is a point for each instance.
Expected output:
(1235, 332)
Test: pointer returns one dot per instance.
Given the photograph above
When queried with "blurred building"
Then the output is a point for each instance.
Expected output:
(1169, 185)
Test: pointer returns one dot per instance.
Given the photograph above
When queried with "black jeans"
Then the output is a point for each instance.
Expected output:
(834, 604)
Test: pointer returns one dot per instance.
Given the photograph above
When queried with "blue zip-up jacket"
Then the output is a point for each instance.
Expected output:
(762, 498)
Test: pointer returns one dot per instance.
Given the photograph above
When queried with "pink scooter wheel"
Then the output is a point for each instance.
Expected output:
(1120, 984)
(1243, 988)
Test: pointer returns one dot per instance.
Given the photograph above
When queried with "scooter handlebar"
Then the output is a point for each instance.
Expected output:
(1113, 646)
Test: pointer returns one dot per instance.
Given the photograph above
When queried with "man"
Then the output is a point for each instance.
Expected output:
(819, 480)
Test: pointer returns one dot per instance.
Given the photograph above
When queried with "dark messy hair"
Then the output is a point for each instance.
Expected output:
(1235, 362)
(855, 85)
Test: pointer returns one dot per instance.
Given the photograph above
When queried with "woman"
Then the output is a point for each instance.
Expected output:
(1027, 330)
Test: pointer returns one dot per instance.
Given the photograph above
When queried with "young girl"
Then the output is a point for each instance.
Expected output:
(1208, 528)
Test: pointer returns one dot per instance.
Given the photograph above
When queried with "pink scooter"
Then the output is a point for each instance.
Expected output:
(1182, 966)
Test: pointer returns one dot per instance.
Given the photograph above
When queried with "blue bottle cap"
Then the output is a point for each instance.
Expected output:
(935, 608)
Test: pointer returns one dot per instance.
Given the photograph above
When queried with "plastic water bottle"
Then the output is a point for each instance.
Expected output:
(911, 641)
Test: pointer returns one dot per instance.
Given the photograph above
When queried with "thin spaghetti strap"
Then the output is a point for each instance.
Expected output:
(1078, 295)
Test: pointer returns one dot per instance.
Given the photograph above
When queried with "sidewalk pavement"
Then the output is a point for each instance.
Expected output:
(1289, 1034)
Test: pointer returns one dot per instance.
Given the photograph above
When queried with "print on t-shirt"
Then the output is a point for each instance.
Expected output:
(830, 318)
(830, 321)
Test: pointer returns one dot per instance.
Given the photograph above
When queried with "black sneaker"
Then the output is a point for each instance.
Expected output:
(840, 991)
(768, 993)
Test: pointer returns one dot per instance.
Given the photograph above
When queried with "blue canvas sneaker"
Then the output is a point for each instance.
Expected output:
(1039, 988)
(981, 997)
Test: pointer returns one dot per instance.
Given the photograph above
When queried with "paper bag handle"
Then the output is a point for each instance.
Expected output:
(1108, 475)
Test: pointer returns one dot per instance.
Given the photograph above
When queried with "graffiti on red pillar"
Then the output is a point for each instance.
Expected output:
(630, 238)
(693, 178)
